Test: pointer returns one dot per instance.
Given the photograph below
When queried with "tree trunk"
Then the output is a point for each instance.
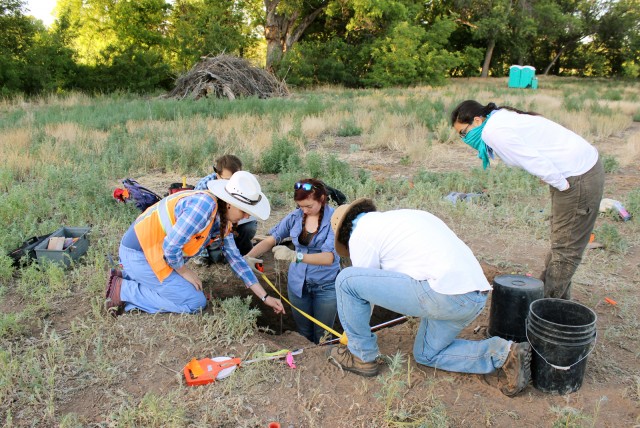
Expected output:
(555, 58)
(281, 31)
(487, 57)
(273, 32)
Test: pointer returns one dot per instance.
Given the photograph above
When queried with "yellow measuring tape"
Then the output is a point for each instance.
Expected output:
(343, 337)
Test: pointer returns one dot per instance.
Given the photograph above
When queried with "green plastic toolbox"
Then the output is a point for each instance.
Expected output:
(76, 246)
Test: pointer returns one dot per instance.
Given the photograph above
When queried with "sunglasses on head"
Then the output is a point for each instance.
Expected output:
(304, 186)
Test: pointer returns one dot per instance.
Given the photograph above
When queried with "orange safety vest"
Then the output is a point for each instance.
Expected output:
(153, 225)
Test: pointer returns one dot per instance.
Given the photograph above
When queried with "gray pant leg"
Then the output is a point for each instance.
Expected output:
(573, 215)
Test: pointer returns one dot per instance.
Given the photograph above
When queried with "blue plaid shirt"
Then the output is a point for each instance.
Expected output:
(193, 214)
(202, 184)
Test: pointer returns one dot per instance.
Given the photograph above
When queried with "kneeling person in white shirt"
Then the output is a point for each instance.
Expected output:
(410, 262)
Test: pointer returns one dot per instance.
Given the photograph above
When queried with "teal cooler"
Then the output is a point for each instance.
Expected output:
(69, 254)
(514, 76)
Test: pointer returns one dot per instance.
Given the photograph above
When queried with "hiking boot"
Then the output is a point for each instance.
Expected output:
(113, 304)
(517, 368)
(341, 357)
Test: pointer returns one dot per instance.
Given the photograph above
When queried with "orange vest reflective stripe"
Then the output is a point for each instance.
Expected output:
(153, 225)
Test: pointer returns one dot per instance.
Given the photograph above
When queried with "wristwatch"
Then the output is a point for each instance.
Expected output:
(299, 257)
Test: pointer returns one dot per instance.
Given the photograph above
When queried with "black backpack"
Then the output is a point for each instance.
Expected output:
(27, 249)
(335, 195)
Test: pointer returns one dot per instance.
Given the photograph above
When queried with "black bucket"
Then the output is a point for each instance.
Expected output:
(561, 333)
(510, 300)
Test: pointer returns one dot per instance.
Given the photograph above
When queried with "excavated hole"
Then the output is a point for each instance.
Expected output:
(224, 284)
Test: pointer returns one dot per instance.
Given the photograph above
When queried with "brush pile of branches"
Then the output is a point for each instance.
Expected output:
(229, 77)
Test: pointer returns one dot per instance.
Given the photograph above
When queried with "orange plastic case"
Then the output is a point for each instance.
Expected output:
(206, 370)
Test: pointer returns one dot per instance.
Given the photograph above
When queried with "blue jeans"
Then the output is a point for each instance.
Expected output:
(443, 317)
(319, 301)
(142, 290)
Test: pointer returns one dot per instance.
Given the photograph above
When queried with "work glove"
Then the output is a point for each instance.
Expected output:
(284, 254)
(251, 261)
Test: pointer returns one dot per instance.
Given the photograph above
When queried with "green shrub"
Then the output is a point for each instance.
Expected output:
(573, 103)
(348, 128)
(282, 156)
(152, 411)
(313, 62)
(613, 95)
(608, 235)
(633, 204)
(600, 109)
(337, 169)
(315, 164)
(238, 319)
(610, 163)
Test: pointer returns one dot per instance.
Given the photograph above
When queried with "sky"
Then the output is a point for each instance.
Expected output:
(41, 9)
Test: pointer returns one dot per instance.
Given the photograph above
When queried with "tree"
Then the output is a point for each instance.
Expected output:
(285, 23)
(562, 25)
(492, 19)
(99, 26)
(17, 31)
(617, 32)
(208, 27)
(32, 59)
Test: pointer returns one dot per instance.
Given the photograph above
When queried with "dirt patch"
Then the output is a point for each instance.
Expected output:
(152, 355)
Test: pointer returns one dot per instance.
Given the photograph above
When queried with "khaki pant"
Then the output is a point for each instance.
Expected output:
(573, 215)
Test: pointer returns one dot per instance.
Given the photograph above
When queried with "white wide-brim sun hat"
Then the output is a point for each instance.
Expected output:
(242, 191)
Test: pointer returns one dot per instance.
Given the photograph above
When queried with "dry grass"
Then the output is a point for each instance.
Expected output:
(313, 127)
(631, 152)
(64, 363)
(14, 146)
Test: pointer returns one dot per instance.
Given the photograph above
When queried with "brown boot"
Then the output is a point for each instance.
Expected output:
(340, 356)
(517, 368)
(113, 304)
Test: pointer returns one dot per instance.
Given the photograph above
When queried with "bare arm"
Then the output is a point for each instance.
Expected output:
(270, 301)
(320, 259)
(262, 247)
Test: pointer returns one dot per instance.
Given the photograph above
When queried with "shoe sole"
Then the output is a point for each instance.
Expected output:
(527, 372)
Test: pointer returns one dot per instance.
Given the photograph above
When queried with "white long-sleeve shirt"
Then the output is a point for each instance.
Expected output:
(539, 146)
(417, 244)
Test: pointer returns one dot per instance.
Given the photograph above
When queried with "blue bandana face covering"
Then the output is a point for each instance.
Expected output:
(474, 139)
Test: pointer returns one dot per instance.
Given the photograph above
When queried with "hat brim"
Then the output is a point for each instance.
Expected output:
(261, 210)
(343, 212)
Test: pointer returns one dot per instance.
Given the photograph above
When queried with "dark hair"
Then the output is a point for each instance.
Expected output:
(318, 192)
(230, 162)
(344, 233)
(222, 214)
(467, 110)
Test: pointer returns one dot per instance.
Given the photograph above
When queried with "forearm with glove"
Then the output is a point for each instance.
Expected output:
(283, 253)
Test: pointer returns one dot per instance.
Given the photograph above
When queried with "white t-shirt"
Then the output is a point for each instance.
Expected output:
(539, 146)
(417, 244)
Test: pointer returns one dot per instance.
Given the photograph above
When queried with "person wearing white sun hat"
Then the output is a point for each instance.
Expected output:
(154, 250)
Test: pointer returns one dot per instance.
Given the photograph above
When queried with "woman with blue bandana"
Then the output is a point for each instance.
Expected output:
(559, 157)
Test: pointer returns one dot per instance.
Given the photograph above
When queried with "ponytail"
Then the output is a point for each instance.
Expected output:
(467, 110)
